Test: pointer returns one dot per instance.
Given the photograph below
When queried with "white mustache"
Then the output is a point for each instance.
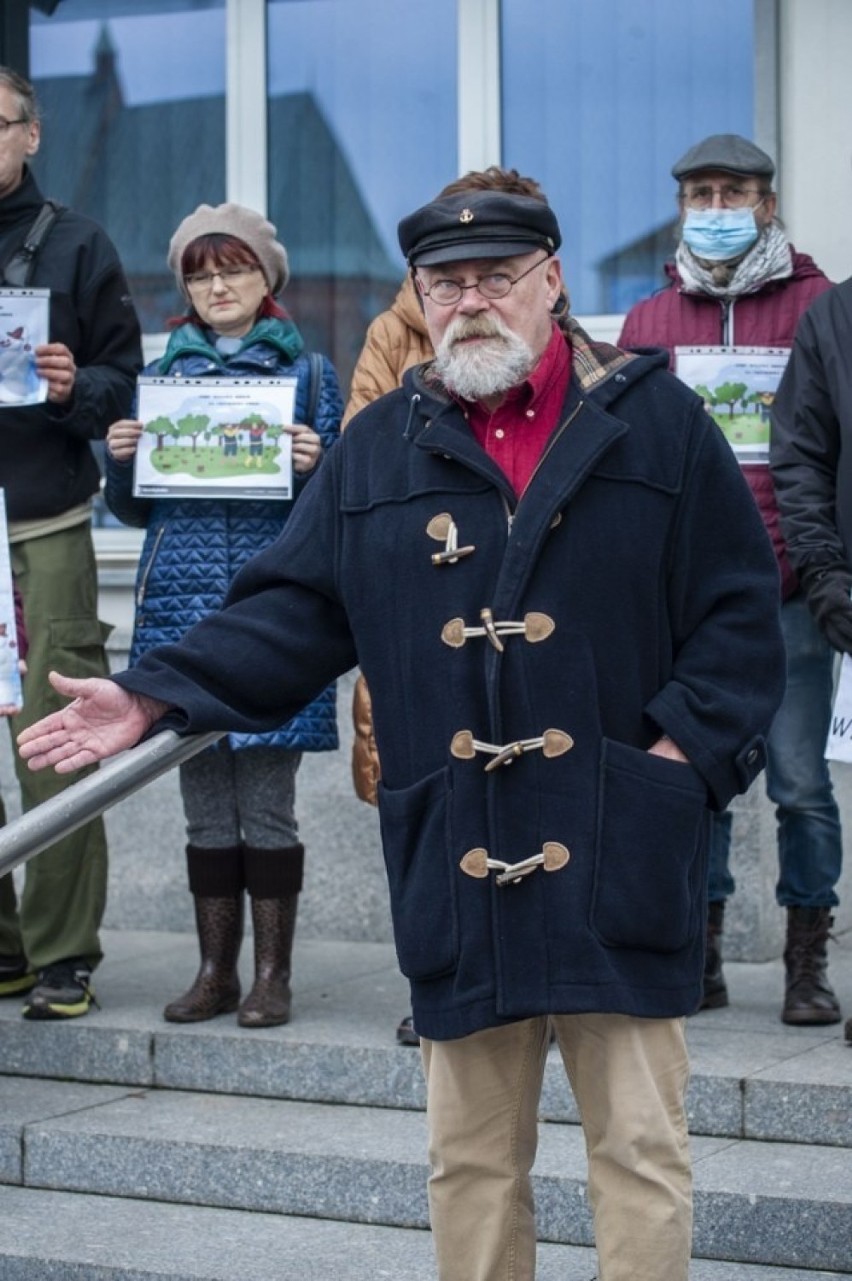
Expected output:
(472, 327)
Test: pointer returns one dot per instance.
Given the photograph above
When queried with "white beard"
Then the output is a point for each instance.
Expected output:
(485, 368)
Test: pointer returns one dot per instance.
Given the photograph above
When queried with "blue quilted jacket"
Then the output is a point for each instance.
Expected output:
(193, 547)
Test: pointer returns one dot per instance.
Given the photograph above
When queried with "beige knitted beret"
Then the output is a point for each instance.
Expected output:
(232, 220)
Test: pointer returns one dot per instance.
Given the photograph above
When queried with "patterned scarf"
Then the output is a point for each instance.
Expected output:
(770, 258)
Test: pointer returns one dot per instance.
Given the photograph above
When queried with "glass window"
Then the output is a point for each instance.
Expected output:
(362, 129)
(599, 100)
(133, 130)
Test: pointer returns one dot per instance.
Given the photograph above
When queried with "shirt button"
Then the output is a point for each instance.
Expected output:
(530, 413)
(499, 433)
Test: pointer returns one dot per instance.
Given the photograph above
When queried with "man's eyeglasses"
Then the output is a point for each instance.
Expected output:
(734, 195)
(6, 125)
(446, 293)
(228, 276)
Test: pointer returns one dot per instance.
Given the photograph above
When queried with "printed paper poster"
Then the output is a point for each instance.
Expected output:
(10, 676)
(737, 385)
(24, 319)
(215, 438)
(839, 746)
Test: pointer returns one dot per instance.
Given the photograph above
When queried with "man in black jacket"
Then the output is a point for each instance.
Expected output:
(811, 461)
(49, 941)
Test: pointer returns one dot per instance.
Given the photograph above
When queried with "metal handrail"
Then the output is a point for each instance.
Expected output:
(84, 800)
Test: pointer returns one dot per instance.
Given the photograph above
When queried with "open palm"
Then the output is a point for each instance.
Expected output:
(101, 720)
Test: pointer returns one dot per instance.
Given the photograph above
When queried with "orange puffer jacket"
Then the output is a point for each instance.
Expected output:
(396, 340)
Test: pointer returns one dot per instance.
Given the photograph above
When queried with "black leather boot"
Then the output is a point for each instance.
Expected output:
(215, 878)
(715, 995)
(273, 880)
(808, 998)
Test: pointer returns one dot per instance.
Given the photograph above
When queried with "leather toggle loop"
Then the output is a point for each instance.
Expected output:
(553, 742)
(490, 630)
(443, 528)
(552, 858)
(534, 628)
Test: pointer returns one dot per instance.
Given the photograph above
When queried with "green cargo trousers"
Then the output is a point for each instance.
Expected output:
(64, 894)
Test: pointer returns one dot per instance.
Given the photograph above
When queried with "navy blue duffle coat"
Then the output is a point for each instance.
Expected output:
(630, 592)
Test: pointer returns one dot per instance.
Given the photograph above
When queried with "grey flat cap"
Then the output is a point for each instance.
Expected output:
(728, 152)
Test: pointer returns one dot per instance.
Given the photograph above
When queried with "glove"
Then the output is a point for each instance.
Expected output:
(827, 591)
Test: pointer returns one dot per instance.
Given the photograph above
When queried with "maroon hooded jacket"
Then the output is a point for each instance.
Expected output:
(768, 318)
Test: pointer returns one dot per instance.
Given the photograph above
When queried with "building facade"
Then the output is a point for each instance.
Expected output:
(338, 116)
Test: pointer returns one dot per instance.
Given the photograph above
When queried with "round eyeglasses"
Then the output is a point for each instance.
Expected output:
(496, 284)
(228, 276)
(734, 195)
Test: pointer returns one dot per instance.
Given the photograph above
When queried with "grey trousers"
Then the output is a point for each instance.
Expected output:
(247, 795)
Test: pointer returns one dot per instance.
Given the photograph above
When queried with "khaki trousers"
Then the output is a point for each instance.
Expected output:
(64, 893)
(629, 1076)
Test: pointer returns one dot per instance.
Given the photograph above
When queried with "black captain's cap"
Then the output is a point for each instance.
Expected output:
(478, 224)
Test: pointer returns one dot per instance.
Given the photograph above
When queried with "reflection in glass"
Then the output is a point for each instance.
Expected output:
(362, 129)
(133, 130)
(599, 100)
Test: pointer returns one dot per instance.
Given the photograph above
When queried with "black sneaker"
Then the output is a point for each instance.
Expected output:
(15, 975)
(62, 992)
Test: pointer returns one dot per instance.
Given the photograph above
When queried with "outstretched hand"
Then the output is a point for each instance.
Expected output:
(102, 719)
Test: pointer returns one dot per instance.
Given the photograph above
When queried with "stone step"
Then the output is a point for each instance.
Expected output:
(74, 1237)
(752, 1078)
(785, 1205)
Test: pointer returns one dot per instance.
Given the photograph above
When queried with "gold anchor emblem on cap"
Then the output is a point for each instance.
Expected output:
(466, 215)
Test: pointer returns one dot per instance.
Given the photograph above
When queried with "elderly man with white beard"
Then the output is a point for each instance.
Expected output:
(544, 558)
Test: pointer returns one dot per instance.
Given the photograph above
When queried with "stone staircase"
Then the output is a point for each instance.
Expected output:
(136, 1150)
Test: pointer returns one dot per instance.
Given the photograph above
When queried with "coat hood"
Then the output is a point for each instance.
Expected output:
(406, 306)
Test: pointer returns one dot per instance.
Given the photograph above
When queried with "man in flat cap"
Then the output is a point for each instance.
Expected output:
(545, 560)
(737, 288)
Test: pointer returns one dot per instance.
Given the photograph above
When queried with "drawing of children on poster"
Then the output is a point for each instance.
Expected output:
(215, 437)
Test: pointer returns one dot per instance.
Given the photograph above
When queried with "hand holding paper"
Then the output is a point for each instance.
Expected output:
(56, 365)
(307, 447)
(123, 439)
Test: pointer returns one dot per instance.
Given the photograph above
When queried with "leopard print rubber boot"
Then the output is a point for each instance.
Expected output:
(268, 1002)
(219, 920)
(273, 881)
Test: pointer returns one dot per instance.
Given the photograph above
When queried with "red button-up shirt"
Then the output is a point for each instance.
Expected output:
(515, 434)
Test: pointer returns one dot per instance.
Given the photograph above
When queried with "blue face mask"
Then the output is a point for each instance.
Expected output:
(719, 234)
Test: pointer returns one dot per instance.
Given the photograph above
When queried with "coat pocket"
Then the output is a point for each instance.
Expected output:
(416, 845)
(77, 646)
(650, 857)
